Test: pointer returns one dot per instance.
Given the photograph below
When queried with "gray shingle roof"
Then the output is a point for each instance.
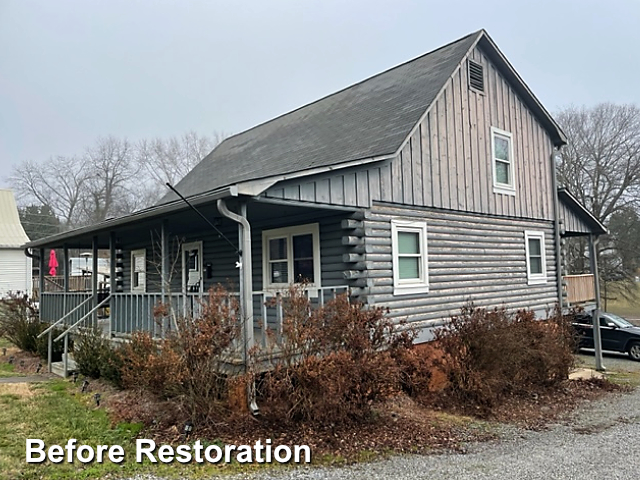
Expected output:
(365, 120)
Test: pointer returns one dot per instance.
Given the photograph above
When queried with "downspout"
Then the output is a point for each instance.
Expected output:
(246, 292)
(556, 228)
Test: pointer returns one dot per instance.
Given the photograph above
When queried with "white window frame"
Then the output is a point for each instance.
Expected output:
(535, 278)
(503, 188)
(289, 232)
(142, 252)
(410, 286)
(185, 269)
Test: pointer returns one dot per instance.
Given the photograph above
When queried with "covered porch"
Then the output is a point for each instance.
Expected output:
(579, 289)
(162, 264)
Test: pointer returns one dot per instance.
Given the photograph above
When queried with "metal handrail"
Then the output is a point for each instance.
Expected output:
(53, 325)
(68, 330)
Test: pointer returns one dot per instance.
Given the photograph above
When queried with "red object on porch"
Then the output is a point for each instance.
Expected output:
(53, 263)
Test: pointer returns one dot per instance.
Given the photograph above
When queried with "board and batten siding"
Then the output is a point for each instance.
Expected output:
(447, 161)
(470, 257)
(572, 223)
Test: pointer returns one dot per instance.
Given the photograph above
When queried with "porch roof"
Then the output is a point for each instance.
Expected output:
(136, 220)
(136, 227)
(578, 221)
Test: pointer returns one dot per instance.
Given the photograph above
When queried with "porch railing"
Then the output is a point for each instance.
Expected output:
(579, 288)
(132, 311)
(55, 305)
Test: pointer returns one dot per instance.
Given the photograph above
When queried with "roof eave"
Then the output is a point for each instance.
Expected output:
(174, 206)
(557, 135)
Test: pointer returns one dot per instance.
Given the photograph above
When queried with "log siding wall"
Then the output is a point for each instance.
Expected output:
(471, 257)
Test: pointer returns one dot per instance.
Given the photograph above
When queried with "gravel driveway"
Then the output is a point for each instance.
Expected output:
(601, 440)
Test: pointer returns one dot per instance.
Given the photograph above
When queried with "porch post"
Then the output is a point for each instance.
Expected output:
(94, 279)
(65, 281)
(41, 280)
(164, 252)
(597, 339)
(112, 276)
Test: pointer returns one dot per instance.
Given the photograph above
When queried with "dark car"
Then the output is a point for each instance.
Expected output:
(618, 334)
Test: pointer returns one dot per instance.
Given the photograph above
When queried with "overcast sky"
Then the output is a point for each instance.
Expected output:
(71, 71)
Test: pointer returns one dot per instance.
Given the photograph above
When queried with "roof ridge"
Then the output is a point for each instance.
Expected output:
(347, 87)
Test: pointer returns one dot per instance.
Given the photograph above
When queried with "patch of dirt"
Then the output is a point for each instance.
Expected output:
(537, 411)
(19, 389)
(24, 362)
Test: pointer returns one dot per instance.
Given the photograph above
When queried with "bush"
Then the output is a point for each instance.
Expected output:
(20, 325)
(96, 357)
(188, 364)
(334, 362)
(488, 355)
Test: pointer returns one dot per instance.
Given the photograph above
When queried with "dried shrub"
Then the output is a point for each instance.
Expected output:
(489, 355)
(188, 365)
(147, 365)
(20, 325)
(333, 363)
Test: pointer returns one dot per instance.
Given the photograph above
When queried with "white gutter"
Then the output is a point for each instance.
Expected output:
(246, 291)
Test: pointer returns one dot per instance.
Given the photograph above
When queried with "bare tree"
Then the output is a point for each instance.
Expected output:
(58, 183)
(169, 160)
(601, 162)
(601, 166)
(113, 177)
(110, 187)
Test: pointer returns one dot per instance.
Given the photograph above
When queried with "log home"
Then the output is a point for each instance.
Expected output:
(418, 189)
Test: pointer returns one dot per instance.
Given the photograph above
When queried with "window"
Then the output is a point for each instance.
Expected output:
(536, 261)
(192, 267)
(409, 247)
(138, 270)
(502, 155)
(291, 255)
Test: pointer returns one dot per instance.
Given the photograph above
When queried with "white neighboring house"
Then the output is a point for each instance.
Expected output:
(15, 266)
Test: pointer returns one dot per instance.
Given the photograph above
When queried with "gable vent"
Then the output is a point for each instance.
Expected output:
(476, 76)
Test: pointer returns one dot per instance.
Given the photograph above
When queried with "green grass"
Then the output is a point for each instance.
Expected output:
(55, 412)
(625, 307)
(7, 370)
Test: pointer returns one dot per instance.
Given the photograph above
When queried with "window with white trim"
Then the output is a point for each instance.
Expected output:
(409, 248)
(291, 255)
(502, 160)
(138, 270)
(536, 260)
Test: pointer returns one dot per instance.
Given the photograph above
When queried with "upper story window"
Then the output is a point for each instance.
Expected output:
(291, 255)
(409, 247)
(536, 260)
(503, 164)
(138, 270)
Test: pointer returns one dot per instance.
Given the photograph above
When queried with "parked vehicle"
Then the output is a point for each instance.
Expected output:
(617, 333)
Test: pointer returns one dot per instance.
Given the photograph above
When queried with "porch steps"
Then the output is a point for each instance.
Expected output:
(58, 367)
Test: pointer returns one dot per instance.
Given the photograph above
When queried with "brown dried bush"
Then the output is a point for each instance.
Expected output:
(488, 355)
(333, 363)
(188, 365)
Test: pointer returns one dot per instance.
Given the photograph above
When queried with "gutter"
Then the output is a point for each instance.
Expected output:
(246, 292)
(556, 229)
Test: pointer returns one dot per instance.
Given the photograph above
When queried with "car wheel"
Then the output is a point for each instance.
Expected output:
(634, 351)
